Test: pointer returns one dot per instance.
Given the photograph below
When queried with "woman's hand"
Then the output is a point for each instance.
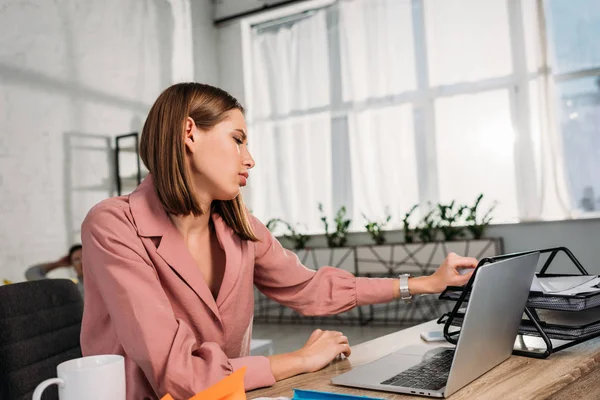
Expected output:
(446, 275)
(321, 348)
(64, 261)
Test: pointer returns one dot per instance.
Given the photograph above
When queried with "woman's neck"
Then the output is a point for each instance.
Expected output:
(191, 225)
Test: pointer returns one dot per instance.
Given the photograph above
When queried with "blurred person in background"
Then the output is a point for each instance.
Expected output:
(72, 259)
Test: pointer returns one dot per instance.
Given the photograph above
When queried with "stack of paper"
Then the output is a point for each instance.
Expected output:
(570, 318)
(566, 285)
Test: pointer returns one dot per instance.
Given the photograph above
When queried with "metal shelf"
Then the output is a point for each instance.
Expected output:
(127, 181)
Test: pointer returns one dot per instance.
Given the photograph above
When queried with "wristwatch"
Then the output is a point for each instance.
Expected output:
(404, 292)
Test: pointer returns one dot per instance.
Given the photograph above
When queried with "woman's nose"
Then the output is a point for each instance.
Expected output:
(248, 160)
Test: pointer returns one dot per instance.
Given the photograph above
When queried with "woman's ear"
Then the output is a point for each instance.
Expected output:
(190, 133)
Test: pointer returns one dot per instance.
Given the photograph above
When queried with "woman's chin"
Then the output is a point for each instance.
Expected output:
(229, 194)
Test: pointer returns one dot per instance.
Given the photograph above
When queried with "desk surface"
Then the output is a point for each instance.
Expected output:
(569, 373)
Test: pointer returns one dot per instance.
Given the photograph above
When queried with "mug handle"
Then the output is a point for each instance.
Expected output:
(37, 394)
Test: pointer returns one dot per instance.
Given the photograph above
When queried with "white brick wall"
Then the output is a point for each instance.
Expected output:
(74, 69)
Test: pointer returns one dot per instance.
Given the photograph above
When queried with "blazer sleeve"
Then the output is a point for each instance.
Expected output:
(280, 275)
(163, 346)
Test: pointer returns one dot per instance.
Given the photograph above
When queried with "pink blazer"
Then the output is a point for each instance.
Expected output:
(146, 299)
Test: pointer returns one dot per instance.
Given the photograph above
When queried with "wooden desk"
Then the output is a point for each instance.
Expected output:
(572, 373)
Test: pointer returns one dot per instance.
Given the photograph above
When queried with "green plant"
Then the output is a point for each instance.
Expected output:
(475, 226)
(272, 223)
(298, 239)
(409, 234)
(375, 228)
(339, 237)
(428, 227)
(449, 216)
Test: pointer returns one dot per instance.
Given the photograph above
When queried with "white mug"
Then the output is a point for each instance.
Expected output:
(90, 378)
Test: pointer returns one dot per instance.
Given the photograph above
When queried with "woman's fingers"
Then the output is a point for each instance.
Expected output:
(317, 333)
(463, 279)
(464, 262)
(343, 345)
(321, 334)
(344, 348)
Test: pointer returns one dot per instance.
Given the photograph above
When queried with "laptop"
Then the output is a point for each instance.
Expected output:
(486, 339)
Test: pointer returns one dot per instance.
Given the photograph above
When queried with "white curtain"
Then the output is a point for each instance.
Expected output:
(290, 72)
(376, 46)
(182, 62)
(383, 158)
(475, 151)
(290, 68)
(515, 150)
(467, 40)
(497, 141)
(377, 61)
(293, 170)
(552, 180)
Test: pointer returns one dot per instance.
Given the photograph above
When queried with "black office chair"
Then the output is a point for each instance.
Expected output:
(40, 322)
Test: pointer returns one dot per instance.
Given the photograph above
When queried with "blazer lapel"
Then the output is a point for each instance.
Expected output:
(232, 245)
(152, 220)
(173, 250)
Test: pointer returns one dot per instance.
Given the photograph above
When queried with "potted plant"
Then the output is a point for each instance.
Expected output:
(298, 239)
(477, 226)
(409, 234)
(375, 228)
(449, 216)
(428, 227)
(339, 237)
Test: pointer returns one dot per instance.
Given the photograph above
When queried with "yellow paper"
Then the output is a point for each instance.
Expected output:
(229, 388)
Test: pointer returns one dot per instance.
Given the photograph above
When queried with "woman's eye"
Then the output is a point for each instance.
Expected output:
(237, 140)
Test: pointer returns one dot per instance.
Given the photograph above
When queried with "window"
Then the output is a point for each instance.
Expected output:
(416, 101)
(574, 28)
(574, 34)
(467, 40)
(388, 134)
(290, 127)
(293, 169)
(480, 126)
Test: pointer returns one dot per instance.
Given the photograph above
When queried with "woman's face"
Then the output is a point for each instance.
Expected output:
(76, 261)
(219, 158)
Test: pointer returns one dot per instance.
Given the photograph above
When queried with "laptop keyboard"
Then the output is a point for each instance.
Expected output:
(430, 374)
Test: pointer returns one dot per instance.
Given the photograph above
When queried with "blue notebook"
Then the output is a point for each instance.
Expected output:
(315, 395)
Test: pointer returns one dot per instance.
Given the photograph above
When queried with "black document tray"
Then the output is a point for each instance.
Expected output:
(538, 313)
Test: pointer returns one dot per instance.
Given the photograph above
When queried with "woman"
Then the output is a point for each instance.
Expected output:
(171, 268)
